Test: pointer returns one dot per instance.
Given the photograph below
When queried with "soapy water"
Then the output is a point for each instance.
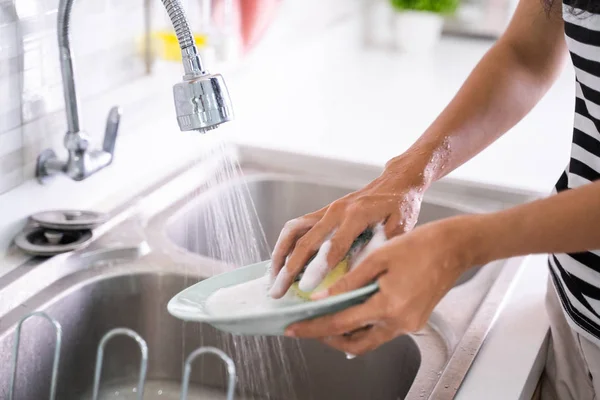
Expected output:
(248, 297)
(237, 239)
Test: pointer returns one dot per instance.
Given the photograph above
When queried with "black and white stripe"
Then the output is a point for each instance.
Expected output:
(577, 276)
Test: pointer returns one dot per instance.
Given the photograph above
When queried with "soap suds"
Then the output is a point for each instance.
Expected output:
(247, 297)
(256, 295)
(278, 288)
(316, 270)
(378, 239)
(287, 229)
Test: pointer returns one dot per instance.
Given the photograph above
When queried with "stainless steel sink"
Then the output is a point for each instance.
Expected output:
(168, 238)
(275, 199)
(137, 301)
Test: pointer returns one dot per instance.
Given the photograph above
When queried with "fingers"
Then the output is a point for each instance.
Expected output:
(360, 342)
(290, 233)
(281, 284)
(303, 249)
(364, 273)
(331, 253)
(349, 320)
(377, 240)
(394, 225)
(316, 270)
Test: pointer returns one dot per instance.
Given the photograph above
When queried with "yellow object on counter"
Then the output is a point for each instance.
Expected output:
(165, 45)
(332, 277)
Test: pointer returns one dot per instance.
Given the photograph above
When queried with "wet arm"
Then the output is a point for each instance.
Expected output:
(506, 84)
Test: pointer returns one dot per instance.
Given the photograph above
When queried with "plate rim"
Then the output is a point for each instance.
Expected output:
(279, 312)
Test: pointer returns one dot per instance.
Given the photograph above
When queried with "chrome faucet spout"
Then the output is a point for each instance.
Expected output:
(201, 101)
(81, 161)
(66, 65)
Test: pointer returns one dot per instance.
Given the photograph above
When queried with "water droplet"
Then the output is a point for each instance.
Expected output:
(116, 393)
(160, 392)
(134, 390)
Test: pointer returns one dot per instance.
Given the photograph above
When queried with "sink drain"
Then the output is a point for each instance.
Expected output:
(41, 242)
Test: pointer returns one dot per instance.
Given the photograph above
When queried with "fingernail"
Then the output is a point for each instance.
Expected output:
(320, 295)
(290, 333)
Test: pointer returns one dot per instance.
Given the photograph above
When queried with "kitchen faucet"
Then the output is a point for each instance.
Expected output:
(201, 102)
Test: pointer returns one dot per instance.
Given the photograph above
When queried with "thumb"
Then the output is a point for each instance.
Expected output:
(363, 274)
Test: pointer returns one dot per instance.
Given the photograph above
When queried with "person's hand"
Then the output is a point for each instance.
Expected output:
(393, 199)
(414, 271)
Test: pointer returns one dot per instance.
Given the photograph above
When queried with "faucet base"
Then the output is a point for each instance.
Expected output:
(45, 158)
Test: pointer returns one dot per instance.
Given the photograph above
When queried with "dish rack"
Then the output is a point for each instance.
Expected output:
(231, 372)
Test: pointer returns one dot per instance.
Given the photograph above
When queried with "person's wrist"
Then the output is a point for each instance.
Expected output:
(464, 239)
(424, 162)
(477, 236)
(411, 170)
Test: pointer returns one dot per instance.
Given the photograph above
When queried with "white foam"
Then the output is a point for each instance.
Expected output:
(316, 270)
(247, 297)
(278, 288)
(286, 231)
(378, 239)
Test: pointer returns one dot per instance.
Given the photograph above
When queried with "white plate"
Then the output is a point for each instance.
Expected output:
(189, 305)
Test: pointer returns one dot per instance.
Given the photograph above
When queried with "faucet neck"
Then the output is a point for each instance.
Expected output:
(192, 64)
(66, 64)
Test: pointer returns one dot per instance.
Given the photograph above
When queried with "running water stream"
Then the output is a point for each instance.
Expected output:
(233, 234)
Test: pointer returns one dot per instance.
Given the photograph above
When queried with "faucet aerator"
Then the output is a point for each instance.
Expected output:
(202, 103)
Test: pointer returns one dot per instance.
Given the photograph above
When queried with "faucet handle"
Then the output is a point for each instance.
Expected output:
(112, 128)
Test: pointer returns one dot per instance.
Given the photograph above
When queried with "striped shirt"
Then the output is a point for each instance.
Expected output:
(577, 276)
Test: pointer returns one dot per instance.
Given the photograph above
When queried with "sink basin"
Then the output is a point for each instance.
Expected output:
(276, 200)
(168, 238)
(138, 302)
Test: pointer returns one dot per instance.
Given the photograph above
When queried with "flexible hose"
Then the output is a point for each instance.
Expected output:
(64, 47)
(180, 23)
(192, 63)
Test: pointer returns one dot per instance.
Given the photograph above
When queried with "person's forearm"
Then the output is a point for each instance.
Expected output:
(565, 223)
(498, 94)
(506, 84)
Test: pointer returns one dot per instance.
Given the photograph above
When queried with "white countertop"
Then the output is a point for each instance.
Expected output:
(370, 105)
(512, 357)
(329, 97)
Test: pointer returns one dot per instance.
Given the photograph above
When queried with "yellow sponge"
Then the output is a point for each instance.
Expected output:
(332, 277)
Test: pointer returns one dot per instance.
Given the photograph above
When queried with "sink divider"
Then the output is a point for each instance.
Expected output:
(230, 365)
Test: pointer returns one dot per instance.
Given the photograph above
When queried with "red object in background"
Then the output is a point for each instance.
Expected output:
(256, 15)
(252, 18)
